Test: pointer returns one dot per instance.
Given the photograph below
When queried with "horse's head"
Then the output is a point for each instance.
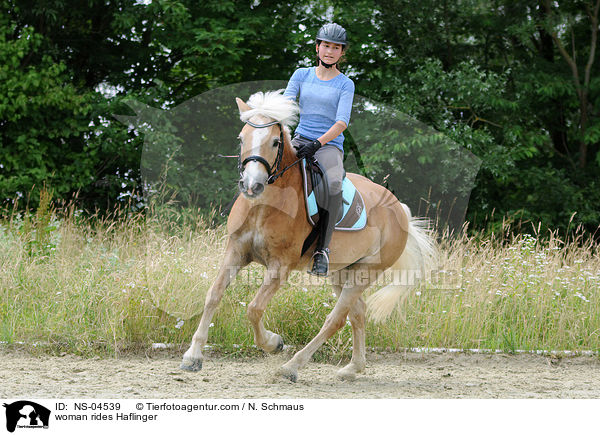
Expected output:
(262, 139)
(260, 153)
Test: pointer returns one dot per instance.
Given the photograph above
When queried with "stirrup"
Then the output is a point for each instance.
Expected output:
(320, 265)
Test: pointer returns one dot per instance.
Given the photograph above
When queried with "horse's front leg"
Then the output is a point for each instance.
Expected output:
(232, 263)
(265, 339)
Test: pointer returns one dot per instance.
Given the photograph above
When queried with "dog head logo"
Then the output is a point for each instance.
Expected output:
(25, 414)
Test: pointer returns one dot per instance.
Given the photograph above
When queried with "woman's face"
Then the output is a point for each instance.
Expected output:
(329, 52)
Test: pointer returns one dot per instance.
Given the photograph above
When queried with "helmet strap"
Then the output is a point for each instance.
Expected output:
(326, 65)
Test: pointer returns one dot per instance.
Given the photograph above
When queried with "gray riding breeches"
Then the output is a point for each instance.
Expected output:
(331, 159)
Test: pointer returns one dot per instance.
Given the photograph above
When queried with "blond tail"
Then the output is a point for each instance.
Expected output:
(417, 261)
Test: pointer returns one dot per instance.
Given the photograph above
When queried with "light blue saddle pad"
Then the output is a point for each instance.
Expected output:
(354, 216)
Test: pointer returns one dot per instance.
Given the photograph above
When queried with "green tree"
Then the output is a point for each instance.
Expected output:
(514, 82)
(496, 77)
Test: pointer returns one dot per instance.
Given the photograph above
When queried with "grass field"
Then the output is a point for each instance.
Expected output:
(113, 285)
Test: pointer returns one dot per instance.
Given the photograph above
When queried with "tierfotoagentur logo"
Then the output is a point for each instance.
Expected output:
(26, 415)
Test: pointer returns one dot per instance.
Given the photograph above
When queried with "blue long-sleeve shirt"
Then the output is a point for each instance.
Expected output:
(322, 103)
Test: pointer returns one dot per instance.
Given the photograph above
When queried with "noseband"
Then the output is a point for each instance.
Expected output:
(273, 171)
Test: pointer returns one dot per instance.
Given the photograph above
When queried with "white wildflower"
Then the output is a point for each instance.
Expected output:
(582, 297)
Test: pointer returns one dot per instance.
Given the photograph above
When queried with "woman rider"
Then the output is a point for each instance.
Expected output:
(325, 99)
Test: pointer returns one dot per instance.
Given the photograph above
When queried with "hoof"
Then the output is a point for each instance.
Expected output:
(346, 375)
(288, 374)
(279, 347)
(349, 372)
(274, 344)
(191, 365)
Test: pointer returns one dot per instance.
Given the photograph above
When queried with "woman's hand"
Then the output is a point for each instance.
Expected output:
(308, 150)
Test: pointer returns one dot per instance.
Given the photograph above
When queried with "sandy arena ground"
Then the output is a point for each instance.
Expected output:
(410, 375)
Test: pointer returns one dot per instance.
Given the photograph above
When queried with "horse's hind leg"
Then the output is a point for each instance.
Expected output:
(357, 316)
(232, 263)
(266, 340)
(359, 361)
(334, 321)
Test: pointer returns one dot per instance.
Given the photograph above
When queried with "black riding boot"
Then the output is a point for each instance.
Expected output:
(327, 222)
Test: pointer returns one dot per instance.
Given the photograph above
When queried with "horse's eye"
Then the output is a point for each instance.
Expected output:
(276, 143)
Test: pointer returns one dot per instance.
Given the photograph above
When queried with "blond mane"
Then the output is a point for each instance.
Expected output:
(274, 105)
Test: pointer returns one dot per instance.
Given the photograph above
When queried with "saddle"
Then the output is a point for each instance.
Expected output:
(353, 213)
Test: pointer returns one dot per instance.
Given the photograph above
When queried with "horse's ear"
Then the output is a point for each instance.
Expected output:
(241, 105)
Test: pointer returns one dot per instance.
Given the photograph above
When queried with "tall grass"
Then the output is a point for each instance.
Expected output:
(120, 283)
(512, 292)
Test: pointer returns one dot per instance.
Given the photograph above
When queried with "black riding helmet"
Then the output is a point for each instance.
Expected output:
(331, 32)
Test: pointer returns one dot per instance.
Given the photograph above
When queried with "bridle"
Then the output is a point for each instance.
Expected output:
(272, 170)
(256, 158)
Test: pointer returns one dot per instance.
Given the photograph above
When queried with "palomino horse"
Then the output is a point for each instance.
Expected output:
(268, 225)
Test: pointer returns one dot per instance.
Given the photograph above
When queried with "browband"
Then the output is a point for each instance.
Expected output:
(262, 125)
